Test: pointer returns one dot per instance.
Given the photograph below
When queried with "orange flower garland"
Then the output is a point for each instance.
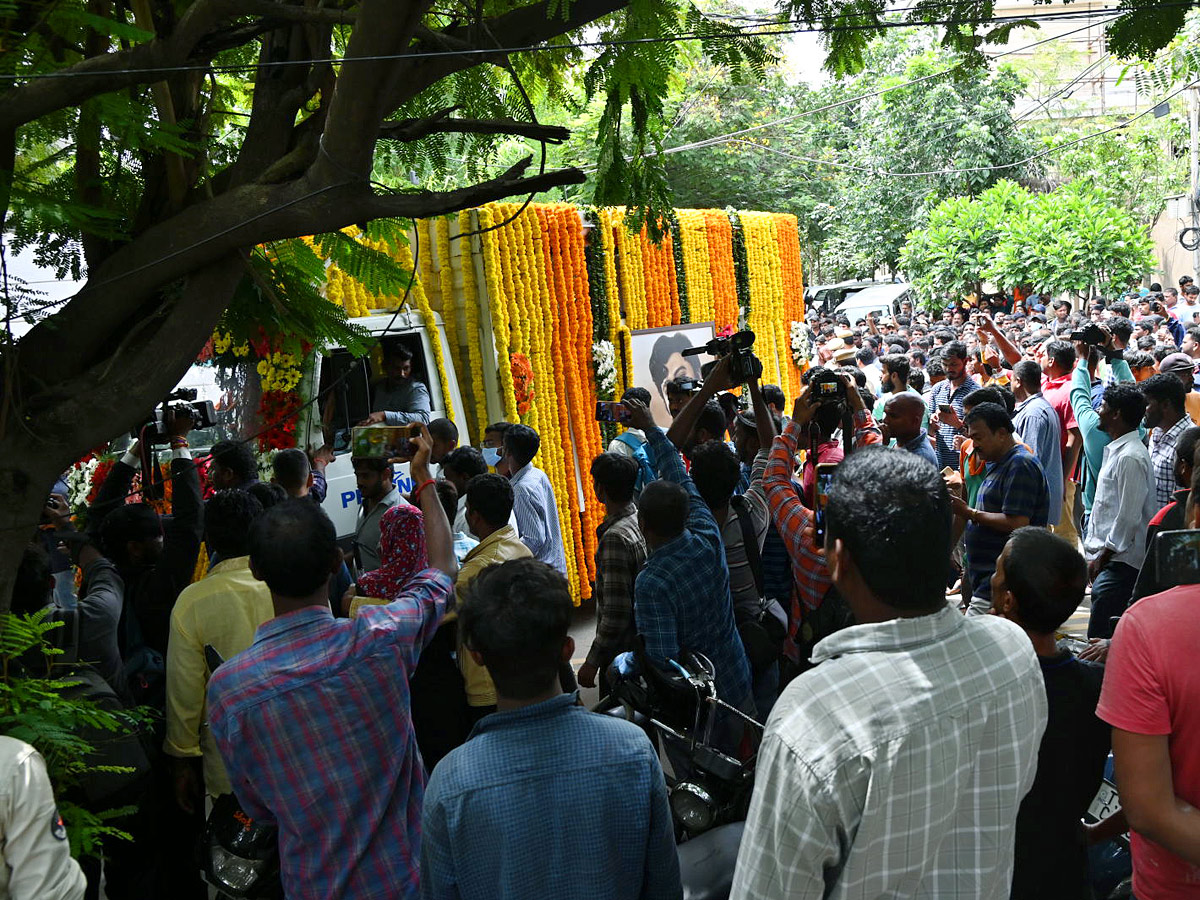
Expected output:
(720, 265)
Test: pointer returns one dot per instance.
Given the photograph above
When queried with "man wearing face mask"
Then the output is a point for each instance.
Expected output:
(493, 446)
(459, 466)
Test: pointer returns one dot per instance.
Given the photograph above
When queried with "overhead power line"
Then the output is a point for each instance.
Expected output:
(793, 27)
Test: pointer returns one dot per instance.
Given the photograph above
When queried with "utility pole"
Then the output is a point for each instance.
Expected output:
(1194, 171)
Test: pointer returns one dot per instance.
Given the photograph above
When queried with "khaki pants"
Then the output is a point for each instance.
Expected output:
(1065, 528)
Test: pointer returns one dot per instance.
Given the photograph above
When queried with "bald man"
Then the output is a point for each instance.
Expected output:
(902, 417)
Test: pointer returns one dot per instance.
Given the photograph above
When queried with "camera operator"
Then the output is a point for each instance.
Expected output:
(811, 618)
(742, 521)
(154, 557)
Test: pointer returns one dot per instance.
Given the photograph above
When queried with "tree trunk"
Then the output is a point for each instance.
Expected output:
(107, 400)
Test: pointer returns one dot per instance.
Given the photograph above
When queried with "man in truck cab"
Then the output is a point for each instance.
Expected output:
(398, 398)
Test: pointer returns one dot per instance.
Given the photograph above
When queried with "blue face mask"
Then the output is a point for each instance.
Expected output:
(491, 456)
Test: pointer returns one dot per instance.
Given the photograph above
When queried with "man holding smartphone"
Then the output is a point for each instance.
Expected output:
(946, 400)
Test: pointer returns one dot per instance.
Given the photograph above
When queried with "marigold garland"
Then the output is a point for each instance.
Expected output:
(554, 299)
(473, 352)
(417, 293)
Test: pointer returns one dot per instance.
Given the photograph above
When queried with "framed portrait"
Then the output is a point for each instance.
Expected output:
(658, 359)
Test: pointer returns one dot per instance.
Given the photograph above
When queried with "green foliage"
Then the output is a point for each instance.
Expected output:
(34, 709)
(827, 162)
(281, 295)
(1072, 240)
(947, 257)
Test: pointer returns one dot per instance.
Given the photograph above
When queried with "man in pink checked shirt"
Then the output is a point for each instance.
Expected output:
(313, 721)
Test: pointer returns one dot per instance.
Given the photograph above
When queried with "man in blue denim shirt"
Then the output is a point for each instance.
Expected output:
(546, 799)
(681, 598)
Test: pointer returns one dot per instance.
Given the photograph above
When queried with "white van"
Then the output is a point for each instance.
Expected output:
(343, 386)
(348, 402)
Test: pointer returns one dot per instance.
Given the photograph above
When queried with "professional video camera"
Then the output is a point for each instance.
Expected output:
(826, 386)
(744, 365)
(1090, 334)
(175, 404)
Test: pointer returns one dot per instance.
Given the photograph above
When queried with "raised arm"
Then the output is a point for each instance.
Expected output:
(1010, 351)
(685, 423)
(438, 539)
(788, 511)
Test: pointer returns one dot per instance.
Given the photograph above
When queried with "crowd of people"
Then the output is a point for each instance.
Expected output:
(878, 575)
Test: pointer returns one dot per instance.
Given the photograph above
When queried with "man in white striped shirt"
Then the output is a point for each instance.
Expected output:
(534, 503)
(896, 767)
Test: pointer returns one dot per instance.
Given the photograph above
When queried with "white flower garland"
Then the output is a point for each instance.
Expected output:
(604, 356)
(801, 343)
(79, 483)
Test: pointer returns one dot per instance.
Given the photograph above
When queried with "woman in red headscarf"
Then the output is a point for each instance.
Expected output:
(402, 551)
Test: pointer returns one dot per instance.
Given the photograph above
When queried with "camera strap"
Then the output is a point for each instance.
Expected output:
(749, 541)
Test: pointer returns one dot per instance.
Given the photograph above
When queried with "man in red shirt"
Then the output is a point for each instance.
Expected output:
(1058, 363)
(1151, 697)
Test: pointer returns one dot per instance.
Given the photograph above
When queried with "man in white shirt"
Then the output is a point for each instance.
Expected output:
(896, 767)
(1115, 545)
(37, 858)
(631, 439)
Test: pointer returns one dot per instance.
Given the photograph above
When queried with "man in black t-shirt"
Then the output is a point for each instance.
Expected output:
(1038, 584)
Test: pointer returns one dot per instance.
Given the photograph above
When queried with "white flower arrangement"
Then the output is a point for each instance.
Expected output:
(79, 483)
(801, 343)
(604, 356)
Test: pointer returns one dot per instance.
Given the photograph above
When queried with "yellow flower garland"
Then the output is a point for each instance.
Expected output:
(449, 303)
(435, 339)
(473, 352)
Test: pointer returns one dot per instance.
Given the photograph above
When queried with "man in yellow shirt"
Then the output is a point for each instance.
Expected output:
(223, 609)
(489, 504)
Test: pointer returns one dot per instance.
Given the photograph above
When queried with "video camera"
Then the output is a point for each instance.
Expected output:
(1091, 334)
(744, 364)
(175, 404)
(826, 386)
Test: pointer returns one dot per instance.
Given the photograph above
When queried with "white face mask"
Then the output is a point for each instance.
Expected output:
(491, 456)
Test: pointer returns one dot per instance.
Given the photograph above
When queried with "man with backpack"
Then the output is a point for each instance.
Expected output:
(632, 443)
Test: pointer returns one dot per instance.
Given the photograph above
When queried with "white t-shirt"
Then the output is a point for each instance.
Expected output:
(616, 445)
(37, 858)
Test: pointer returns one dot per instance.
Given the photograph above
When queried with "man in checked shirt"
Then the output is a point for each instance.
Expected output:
(896, 767)
(314, 720)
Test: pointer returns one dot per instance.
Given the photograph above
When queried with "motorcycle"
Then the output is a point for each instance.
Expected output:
(1110, 866)
(238, 856)
(678, 705)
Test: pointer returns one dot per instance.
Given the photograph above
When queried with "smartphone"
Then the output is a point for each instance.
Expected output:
(612, 411)
(945, 409)
(385, 441)
(1177, 558)
(825, 473)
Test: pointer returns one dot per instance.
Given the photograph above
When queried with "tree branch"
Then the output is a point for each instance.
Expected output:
(415, 129)
(108, 72)
(424, 204)
(359, 101)
(524, 26)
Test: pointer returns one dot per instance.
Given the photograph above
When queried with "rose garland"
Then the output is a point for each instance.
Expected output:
(522, 376)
